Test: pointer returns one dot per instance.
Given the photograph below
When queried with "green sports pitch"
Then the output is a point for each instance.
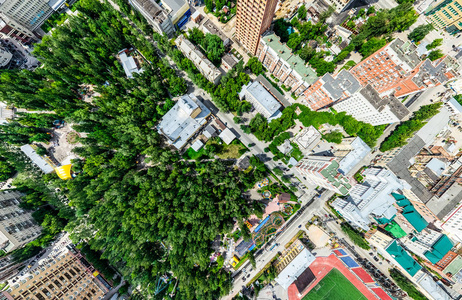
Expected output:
(334, 286)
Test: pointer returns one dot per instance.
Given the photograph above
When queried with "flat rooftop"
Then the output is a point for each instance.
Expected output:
(341, 83)
(180, 123)
(308, 138)
(213, 29)
(360, 151)
(445, 204)
(149, 6)
(263, 97)
(174, 5)
(406, 51)
(379, 103)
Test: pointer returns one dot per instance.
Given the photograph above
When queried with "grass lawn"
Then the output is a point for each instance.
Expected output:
(334, 286)
(231, 150)
(192, 154)
(223, 151)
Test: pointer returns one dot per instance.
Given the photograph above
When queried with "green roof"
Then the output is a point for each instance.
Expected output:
(332, 174)
(410, 213)
(296, 63)
(439, 249)
(383, 221)
(403, 258)
(395, 230)
(455, 266)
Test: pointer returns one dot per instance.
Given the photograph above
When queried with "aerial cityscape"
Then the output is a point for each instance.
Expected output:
(241, 149)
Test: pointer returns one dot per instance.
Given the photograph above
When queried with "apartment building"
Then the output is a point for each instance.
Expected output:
(388, 67)
(329, 89)
(397, 69)
(367, 106)
(286, 66)
(156, 16)
(11, 29)
(17, 227)
(446, 15)
(372, 198)
(429, 244)
(9, 267)
(323, 171)
(5, 57)
(261, 99)
(253, 18)
(29, 14)
(201, 62)
(452, 223)
(65, 276)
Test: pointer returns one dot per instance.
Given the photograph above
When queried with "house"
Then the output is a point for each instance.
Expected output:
(129, 63)
(185, 119)
(227, 136)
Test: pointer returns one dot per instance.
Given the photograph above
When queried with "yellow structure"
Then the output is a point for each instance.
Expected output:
(64, 172)
(235, 261)
(447, 15)
(247, 223)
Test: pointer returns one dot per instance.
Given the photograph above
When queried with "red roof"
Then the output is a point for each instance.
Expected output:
(365, 277)
(381, 293)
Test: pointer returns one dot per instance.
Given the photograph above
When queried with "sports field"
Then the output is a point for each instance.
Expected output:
(334, 286)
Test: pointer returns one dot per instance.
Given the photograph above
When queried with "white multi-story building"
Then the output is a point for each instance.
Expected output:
(5, 57)
(372, 197)
(17, 227)
(201, 62)
(261, 99)
(12, 29)
(367, 106)
(30, 14)
(323, 171)
(452, 223)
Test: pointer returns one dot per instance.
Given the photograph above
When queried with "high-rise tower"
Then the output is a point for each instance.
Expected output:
(253, 19)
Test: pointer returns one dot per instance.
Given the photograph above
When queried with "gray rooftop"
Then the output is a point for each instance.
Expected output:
(213, 29)
(437, 71)
(398, 108)
(451, 101)
(229, 60)
(150, 7)
(270, 88)
(423, 138)
(406, 51)
(37, 159)
(264, 98)
(401, 162)
(349, 161)
(178, 125)
(443, 205)
(437, 166)
(434, 126)
(343, 82)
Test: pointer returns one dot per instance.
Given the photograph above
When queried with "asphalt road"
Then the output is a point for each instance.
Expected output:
(297, 222)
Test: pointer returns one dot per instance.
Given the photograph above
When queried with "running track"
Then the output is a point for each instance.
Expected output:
(320, 267)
